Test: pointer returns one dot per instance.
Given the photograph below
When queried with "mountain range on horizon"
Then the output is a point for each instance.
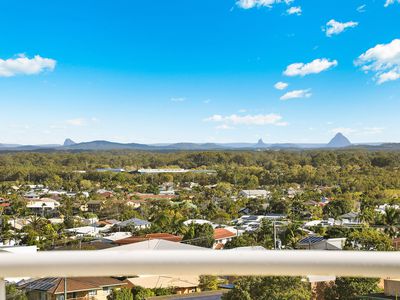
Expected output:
(338, 141)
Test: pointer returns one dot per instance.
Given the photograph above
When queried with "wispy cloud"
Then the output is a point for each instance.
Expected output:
(178, 99)
(297, 94)
(362, 8)
(268, 119)
(390, 2)
(79, 122)
(358, 131)
(281, 85)
(294, 10)
(334, 27)
(383, 60)
(22, 65)
(224, 127)
(247, 4)
(316, 66)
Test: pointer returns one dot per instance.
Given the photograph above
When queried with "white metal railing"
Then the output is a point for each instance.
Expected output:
(193, 262)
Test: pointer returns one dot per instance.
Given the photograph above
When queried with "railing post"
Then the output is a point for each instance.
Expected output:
(2, 289)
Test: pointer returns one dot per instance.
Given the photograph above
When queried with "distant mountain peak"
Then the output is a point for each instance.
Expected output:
(69, 142)
(260, 142)
(339, 141)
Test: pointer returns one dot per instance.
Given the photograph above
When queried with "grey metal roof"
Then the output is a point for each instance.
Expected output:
(135, 222)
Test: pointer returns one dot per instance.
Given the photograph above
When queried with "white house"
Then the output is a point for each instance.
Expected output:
(314, 242)
(253, 194)
(39, 205)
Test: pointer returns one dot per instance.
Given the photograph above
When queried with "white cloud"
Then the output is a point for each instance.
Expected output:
(23, 65)
(297, 94)
(358, 131)
(281, 85)
(247, 4)
(179, 99)
(390, 2)
(77, 122)
(372, 130)
(224, 127)
(334, 27)
(294, 10)
(316, 66)
(361, 8)
(268, 119)
(383, 60)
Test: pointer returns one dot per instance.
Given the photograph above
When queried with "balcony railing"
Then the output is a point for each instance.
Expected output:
(158, 262)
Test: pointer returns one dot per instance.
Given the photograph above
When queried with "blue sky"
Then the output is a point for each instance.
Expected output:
(199, 71)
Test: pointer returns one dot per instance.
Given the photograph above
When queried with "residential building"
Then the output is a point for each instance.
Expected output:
(222, 236)
(41, 205)
(79, 288)
(156, 244)
(135, 223)
(349, 219)
(159, 171)
(314, 242)
(147, 237)
(179, 284)
(253, 194)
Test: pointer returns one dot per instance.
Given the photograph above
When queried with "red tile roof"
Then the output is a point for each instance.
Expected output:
(222, 233)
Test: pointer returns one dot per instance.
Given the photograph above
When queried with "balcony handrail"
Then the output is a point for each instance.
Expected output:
(193, 262)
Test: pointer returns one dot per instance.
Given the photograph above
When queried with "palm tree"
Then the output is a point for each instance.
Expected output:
(391, 221)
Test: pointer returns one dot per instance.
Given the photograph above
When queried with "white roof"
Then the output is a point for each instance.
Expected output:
(88, 229)
(155, 244)
(115, 236)
(249, 248)
(255, 192)
(196, 221)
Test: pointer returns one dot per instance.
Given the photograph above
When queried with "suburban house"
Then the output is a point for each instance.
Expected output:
(4, 204)
(79, 288)
(160, 171)
(351, 218)
(92, 205)
(135, 223)
(253, 194)
(253, 222)
(179, 284)
(42, 205)
(149, 197)
(88, 230)
(197, 222)
(147, 237)
(221, 237)
(156, 244)
(314, 242)
(115, 236)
